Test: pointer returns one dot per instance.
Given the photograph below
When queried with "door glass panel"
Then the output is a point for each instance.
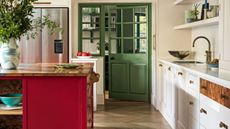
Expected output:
(128, 45)
(115, 46)
(128, 15)
(91, 45)
(128, 30)
(141, 30)
(140, 15)
(91, 34)
(91, 10)
(115, 32)
(115, 16)
(140, 45)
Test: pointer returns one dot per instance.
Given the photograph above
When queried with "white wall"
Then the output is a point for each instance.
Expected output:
(168, 16)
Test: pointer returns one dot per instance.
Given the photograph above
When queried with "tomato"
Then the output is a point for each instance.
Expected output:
(79, 53)
(84, 54)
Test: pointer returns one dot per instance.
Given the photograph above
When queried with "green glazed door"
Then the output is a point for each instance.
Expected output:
(128, 52)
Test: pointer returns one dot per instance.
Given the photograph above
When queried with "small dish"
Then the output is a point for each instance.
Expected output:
(84, 57)
(5, 107)
(67, 66)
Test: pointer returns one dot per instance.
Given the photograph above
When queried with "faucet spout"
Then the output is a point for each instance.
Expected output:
(199, 37)
(208, 53)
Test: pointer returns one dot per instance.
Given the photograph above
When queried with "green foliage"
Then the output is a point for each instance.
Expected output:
(16, 20)
(195, 12)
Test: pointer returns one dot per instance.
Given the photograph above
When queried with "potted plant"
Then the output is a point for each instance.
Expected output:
(16, 20)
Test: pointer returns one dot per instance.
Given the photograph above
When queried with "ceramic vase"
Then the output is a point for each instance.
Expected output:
(9, 55)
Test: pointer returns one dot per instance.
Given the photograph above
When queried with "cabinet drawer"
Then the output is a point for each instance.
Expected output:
(215, 92)
(192, 82)
(209, 117)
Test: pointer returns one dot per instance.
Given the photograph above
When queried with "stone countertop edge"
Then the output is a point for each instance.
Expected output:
(218, 76)
(47, 70)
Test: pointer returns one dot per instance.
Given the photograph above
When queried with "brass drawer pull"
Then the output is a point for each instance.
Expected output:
(160, 65)
(222, 96)
(169, 68)
(204, 87)
(191, 82)
(42, 3)
(223, 125)
(203, 111)
(191, 103)
(180, 73)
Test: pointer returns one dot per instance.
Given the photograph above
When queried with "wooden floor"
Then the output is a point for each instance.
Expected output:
(128, 115)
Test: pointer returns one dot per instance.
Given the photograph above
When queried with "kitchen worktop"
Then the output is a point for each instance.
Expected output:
(214, 74)
(48, 69)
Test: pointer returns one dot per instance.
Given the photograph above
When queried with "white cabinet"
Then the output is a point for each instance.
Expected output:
(224, 34)
(181, 101)
(167, 89)
(52, 3)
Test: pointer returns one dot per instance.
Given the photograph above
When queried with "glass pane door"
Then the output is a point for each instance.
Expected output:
(131, 27)
(90, 29)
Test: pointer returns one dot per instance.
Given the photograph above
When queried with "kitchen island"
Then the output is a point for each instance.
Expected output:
(53, 98)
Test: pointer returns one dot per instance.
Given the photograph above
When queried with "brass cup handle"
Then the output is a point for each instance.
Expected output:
(180, 73)
(191, 82)
(204, 87)
(160, 65)
(223, 125)
(169, 69)
(222, 96)
(203, 111)
(191, 103)
(41, 2)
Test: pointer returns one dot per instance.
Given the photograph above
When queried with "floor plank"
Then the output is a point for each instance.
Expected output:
(128, 115)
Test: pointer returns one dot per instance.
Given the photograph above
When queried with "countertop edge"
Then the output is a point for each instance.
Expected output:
(214, 79)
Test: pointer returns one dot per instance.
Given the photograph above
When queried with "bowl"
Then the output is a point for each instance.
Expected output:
(11, 100)
(210, 65)
(179, 54)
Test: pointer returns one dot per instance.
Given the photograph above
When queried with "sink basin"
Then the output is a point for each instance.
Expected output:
(188, 61)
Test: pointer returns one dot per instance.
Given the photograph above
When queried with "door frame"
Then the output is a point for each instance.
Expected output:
(102, 32)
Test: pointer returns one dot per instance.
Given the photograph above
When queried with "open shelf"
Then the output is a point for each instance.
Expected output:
(178, 2)
(11, 112)
(202, 23)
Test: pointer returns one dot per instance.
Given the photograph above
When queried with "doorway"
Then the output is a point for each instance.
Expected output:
(121, 34)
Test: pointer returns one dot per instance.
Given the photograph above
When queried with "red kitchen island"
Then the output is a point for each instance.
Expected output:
(53, 98)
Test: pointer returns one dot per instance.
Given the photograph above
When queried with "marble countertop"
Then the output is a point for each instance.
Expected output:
(215, 75)
(48, 70)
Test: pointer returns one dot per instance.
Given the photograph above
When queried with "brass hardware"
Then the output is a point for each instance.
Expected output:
(204, 87)
(223, 125)
(222, 96)
(41, 2)
(203, 111)
(160, 65)
(180, 73)
(169, 68)
(191, 103)
(191, 82)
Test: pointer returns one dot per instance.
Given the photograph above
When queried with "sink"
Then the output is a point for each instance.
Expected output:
(188, 62)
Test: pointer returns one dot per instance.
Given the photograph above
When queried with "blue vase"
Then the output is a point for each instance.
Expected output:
(9, 55)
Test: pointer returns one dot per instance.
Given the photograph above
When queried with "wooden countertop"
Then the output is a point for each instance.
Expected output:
(48, 70)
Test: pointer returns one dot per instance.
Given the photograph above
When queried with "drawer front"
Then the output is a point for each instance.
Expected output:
(193, 82)
(193, 107)
(209, 117)
(214, 91)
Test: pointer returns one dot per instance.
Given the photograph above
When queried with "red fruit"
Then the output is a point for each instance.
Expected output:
(79, 53)
(89, 54)
(84, 54)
